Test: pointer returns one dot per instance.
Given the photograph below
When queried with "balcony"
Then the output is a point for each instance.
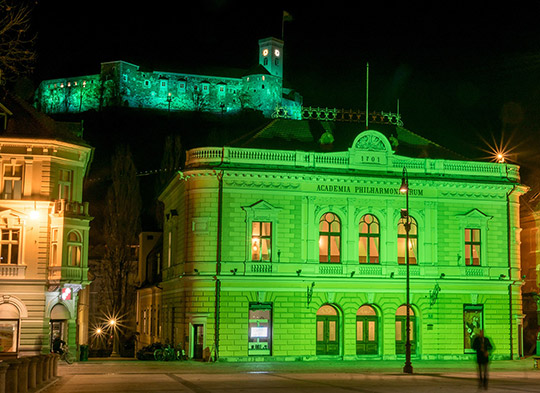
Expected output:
(63, 207)
(69, 274)
(12, 272)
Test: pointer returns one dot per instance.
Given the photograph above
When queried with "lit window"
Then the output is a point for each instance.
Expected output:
(368, 245)
(413, 242)
(74, 249)
(329, 238)
(472, 247)
(261, 241)
(9, 326)
(9, 246)
(12, 181)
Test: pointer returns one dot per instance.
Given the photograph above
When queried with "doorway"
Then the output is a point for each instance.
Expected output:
(327, 331)
(367, 335)
(401, 330)
(198, 343)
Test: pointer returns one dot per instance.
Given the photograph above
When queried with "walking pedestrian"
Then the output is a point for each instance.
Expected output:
(482, 345)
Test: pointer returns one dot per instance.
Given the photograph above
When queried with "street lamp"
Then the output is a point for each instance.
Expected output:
(407, 368)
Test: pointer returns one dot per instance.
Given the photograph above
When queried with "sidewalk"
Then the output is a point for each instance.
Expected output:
(114, 375)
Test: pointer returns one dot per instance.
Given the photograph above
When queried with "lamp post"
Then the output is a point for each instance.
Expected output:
(407, 368)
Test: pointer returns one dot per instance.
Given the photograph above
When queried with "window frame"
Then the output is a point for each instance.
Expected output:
(471, 243)
(413, 237)
(329, 235)
(368, 236)
(261, 237)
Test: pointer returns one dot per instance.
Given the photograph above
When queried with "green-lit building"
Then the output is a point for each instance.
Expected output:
(290, 245)
(220, 90)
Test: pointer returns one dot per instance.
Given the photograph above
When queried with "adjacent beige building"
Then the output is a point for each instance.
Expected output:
(44, 226)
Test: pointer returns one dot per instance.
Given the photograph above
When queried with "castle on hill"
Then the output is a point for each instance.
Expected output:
(122, 84)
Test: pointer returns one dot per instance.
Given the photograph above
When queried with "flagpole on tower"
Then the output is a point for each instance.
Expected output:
(367, 95)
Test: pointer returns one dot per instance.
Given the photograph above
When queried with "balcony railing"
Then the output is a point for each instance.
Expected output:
(70, 208)
(12, 272)
(67, 274)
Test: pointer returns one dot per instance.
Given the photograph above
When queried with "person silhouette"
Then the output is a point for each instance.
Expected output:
(482, 345)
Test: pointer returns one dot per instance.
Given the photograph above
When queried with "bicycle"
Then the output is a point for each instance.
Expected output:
(169, 353)
(66, 356)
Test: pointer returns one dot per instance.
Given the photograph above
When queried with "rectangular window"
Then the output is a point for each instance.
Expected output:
(261, 241)
(473, 322)
(64, 184)
(9, 246)
(472, 247)
(13, 174)
(260, 329)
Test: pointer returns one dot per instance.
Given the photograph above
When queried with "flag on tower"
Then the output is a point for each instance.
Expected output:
(287, 17)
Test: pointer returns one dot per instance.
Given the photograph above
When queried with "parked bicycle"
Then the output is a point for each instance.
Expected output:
(169, 353)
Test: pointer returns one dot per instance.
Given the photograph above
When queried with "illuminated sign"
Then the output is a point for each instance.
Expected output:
(259, 331)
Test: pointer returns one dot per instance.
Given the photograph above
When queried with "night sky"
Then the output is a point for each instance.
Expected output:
(460, 74)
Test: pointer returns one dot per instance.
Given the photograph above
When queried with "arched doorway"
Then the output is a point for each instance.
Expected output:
(59, 323)
(401, 330)
(367, 331)
(327, 331)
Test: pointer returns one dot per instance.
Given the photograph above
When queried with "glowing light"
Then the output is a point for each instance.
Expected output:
(34, 214)
(501, 152)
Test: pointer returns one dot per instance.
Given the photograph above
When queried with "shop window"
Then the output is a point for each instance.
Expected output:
(369, 239)
(74, 248)
(9, 246)
(260, 329)
(261, 241)
(329, 238)
(473, 322)
(13, 174)
(9, 328)
(413, 242)
(472, 247)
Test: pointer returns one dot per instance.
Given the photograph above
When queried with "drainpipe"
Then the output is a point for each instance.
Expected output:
(509, 240)
(218, 257)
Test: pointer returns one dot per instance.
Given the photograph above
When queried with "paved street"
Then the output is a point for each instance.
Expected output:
(106, 375)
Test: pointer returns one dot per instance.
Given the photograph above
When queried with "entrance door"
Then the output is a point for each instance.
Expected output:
(198, 333)
(327, 331)
(367, 340)
(401, 330)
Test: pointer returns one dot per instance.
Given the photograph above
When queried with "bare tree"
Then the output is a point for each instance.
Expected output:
(122, 225)
(17, 53)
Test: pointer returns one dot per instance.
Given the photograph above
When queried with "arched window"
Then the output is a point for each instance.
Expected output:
(413, 242)
(368, 244)
(74, 249)
(329, 238)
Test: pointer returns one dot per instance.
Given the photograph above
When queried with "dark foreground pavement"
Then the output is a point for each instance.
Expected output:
(115, 375)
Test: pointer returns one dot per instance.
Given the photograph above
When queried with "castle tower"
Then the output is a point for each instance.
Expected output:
(271, 55)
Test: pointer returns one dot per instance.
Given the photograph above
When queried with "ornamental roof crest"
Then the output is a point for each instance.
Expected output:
(370, 147)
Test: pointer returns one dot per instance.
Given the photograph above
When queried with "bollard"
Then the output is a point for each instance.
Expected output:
(3, 368)
(43, 366)
(22, 376)
(39, 370)
(32, 371)
(51, 365)
(12, 375)
(55, 361)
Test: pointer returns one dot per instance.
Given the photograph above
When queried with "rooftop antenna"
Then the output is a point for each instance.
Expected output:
(367, 95)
